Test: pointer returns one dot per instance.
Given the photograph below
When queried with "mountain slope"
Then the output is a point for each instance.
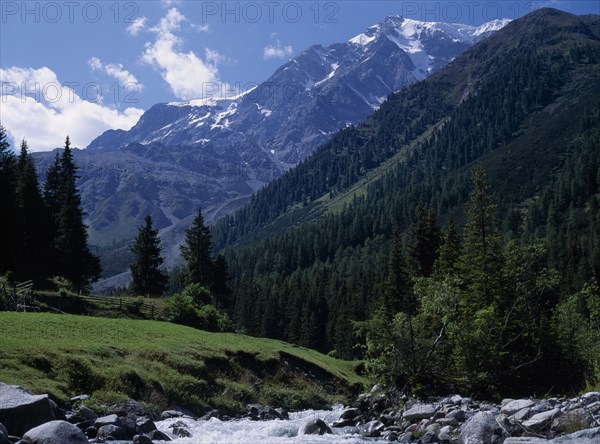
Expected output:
(215, 153)
(525, 103)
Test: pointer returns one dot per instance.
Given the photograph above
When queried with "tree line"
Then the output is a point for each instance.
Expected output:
(43, 234)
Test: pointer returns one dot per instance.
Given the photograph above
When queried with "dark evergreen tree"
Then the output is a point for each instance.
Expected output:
(398, 294)
(8, 204)
(35, 241)
(480, 261)
(147, 278)
(73, 258)
(450, 251)
(220, 288)
(423, 250)
(197, 253)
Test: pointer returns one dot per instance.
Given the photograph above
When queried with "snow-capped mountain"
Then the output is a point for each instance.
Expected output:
(214, 153)
(310, 97)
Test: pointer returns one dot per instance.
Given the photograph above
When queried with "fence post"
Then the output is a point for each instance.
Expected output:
(152, 311)
(120, 304)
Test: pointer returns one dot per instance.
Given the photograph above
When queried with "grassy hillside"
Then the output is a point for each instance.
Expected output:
(165, 364)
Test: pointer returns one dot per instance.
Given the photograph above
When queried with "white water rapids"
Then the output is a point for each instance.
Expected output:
(247, 431)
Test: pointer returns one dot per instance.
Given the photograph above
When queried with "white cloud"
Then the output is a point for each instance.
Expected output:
(277, 51)
(116, 71)
(188, 76)
(54, 110)
(137, 26)
(95, 63)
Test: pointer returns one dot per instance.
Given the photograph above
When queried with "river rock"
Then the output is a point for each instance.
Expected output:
(572, 420)
(87, 413)
(168, 414)
(108, 420)
(141, 439)
(482, 428)
(181, 432)
(262, 412)
(21, 411)
(55, 432)
(372, 429)
(3, 435)
(513, 407)
(419, 411)
(114, 431)
(144, 425)
(587, 436)
(283, 413)
(458, 415)
(316, 427)
(350, 414)
(157, 435)
(214, 413)
(590, 397)
(541, 420)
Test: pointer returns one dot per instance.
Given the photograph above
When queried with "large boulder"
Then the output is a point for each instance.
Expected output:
(21, 411)
(541, 420)
(112, 431)
(316, 427)
(55, 432)
(482, 428)
(587, 436)
(572, 420)
(419, 411)
(513, 407)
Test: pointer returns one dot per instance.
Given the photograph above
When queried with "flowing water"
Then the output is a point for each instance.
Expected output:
(246, 431)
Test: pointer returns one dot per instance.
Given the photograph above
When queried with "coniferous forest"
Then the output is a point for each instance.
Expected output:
(451, 241)
(43, 234)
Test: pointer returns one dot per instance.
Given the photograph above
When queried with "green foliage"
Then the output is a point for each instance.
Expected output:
(577, 325)
(146, 276)
(193, 307)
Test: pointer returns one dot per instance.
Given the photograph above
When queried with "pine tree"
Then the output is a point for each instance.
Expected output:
(221, 290)
(147, 277)
(8, 204)
(398, 293)
(480, 261)
(423, 251)
(197, 253)
(449, 252)
(34, 254)
(73, 258)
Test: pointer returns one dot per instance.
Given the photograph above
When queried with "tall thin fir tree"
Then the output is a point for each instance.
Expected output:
(423, 251)
(73, 258)
(8, 204)
(480, 261)
(197, 253)
(147, 278)
(34, 254)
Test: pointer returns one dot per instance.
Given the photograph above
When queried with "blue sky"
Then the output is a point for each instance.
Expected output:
(79, 68)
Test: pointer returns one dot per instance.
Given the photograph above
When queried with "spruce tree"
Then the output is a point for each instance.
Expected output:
(73, 258)
(449, 252)
(423, 250)
(147, 277)
(8, 204)
(481, 258)
(34, 253)
(398, 292)
(197, 253)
